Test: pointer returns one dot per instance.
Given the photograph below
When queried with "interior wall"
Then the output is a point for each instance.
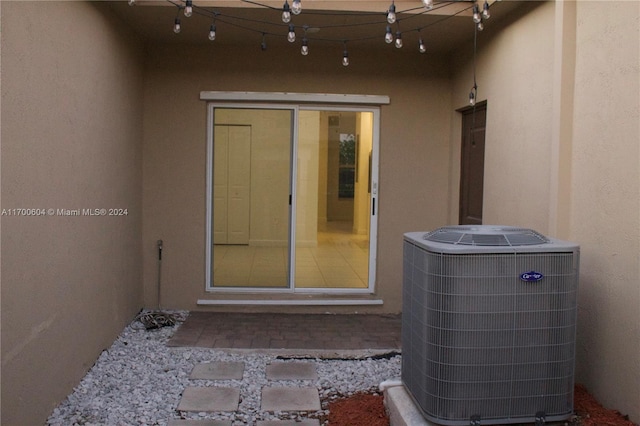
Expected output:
(362, 199)
(175, 146)
(307, 179)
(270, 160)
(71, 140)
(606, 200)
(339, 209)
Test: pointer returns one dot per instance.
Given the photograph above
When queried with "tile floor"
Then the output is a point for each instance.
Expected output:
(341, 260)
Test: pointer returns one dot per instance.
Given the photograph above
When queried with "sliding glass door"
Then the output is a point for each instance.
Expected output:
(291, 199)
(333, 200)
(251, 187)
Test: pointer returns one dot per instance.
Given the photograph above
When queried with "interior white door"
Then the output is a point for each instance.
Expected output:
(232, 184)
(239, 177)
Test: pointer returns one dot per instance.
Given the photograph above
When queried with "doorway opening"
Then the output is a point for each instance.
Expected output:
(292, 203)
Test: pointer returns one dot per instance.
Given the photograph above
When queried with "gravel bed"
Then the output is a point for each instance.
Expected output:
(139, 381)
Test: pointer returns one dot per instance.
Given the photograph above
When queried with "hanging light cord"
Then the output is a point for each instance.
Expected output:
(474, 90)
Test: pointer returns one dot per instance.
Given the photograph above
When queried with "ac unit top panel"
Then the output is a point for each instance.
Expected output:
(487, 239)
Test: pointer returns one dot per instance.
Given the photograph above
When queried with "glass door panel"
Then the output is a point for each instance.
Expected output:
(251, 187)
(333, 198)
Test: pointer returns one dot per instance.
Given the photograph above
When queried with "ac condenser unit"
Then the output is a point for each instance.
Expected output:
(489, 325)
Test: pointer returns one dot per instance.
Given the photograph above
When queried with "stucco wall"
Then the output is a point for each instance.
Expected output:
(71, 139)
(562, 157)
(413, 150)
(514, 73)
(606, 200)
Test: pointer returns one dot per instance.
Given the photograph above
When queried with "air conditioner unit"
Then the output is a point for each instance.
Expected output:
(489, 325)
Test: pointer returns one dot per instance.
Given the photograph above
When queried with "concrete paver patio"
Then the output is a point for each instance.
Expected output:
(268, 332)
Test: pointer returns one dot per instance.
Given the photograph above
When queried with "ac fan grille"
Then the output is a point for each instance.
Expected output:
(483, 236)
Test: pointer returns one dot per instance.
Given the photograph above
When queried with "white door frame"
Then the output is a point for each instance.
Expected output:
(293, 102)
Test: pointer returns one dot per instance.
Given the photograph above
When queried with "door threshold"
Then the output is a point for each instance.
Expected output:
(289, 302)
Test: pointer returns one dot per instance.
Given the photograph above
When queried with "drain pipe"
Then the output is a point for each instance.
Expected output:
(159, 269)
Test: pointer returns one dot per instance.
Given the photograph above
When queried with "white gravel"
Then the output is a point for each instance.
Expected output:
(139, 381)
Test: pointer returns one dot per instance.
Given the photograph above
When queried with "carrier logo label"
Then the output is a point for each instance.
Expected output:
(531, 276)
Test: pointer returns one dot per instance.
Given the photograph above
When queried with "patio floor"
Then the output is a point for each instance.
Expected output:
(222, 330)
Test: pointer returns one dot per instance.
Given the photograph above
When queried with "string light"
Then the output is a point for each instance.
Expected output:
(188, 9)
(421, 47)
(388, 37)
(263, 45)
(296, 7)
(291, 36)
(286, 12)
(472, 95)
(485, 10)
(476, 14)
(132, 2)
(345, 56)
(391, 13)
(428, 4)
(398, 39)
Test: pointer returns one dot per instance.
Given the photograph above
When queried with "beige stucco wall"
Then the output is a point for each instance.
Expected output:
(413, 149)
(71, 139)
(562, 157)
(606, 200)
(514, 73)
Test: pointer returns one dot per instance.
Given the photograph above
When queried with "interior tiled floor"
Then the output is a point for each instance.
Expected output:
(341, 260)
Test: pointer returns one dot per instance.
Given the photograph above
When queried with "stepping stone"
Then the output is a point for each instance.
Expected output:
(176, 422)
(306, 422)
(290, 399)
(292, 371)
(209, 399)
(218, 371)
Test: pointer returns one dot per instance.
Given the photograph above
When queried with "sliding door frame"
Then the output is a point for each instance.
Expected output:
(293, 102)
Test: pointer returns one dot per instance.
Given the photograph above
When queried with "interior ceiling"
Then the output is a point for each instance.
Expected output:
(242, 22)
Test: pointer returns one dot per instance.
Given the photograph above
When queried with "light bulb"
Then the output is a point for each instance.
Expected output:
(391, 14)
(485, 10)
(472, 98)
(480, 26)
(476, 14)
(263, 45)
(345, 59)
(176, 26)
(388, 37)
(286, 12)
(398, 39)
(291, 36)
(428, 4)
(421, 46)
(188, 9)
(296, 7)
(305, 47)
(212, 33)
(132, 2)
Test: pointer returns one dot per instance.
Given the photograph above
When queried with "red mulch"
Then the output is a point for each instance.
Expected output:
(360, 409)
(368, 410)
(591, 413)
